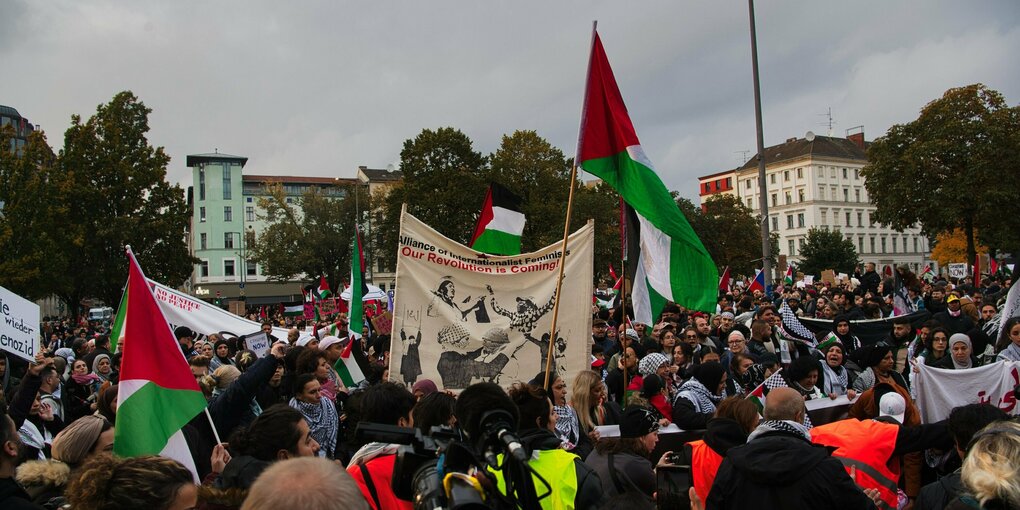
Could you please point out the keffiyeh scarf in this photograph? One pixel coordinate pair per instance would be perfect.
(322, 420)
(567, 426)
(704, 401)
(835, 379)
(790, 427)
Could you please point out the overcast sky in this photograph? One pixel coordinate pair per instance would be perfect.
(319, 88)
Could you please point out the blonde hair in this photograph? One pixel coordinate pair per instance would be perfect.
(991, 469)
(580, 397)
(225, 375)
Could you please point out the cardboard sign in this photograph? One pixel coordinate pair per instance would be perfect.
(19, 325)
(829, 277)
(257, 343)
(809, 279)
(383, 323)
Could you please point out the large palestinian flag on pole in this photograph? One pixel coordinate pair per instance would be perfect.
(158, 395)
(348, 367)
(500, 223)
(671, 262)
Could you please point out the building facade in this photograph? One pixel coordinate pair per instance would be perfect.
(22, 127)
(226, 218)
(721, 183)
(816, 181)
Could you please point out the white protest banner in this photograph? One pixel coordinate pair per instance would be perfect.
(449, 297)
(939, 390)
(257, 343)
(809, 279)
(958, 270)
(203, 318)
(19, 330)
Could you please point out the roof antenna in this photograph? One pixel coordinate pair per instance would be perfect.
(830, 122)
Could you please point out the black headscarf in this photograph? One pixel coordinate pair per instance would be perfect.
(710, 374)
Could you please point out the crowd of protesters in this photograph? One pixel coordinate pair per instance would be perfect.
(290, 424)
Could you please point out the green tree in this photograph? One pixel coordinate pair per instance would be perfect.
(117, 195)
(827, 249)
(600, 203)
(312, 237)
(730, 231)
(31, 261)
(444, 183)
(955, 166)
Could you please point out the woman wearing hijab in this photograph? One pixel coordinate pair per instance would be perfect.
(46, 480)
(880, 363)
(102, 367)
(697, 398)
(319, 412)
(221, 355)
(961, 354)
(835, 379)
(841, 328)
(803, 376)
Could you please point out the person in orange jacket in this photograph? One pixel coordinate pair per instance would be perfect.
(870, 449)
(734, 419)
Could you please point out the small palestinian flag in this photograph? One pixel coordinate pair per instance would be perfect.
(323, 291)
(788, 280)
(500, 223)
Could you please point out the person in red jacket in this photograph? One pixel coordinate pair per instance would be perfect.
(372, 465)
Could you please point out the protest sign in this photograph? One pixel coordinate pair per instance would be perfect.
(939, 390)
(829, 277)
(450, 296)
(309, 311)
(19, 329)
(257, 343)
(327, 307)
(203, 318)
(958, 270)
(383, 323)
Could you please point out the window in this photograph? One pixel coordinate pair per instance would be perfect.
(800, 173)
(203, 269)
(772, 179)
(775, 223)
(705, 188)
(833, 172)
(249, 200)
(915, 245)
(787, 197)
(825, 217)
(202, 241)
(800, 195)
(226, 181)
(844, 173)
(833, 194)
(201, 214)
(860, 220)
(228, 240)
(786, 175)
(201, 183)
(821, 193)
(290, 200)
(773, 200)
(800, 219)
(857, 174)
(860, 244)
(249, 213)
(857, 195)
(271, 215)
(883, 244)
(749, 206)
(821, 171)
(227, 213)
(894, 245)
(251, 269)
(729, 182)
(904, 244)
(800, 243)
(789, 221)
(791, 248)
(748, 183)
(872, 244)
(846, 194)
(228, 268)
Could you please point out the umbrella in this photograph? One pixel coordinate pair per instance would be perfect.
(374, 293)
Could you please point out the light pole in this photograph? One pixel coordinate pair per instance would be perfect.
(766, 245)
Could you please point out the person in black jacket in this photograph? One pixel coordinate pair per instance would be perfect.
(953, 318)
(780, 469)
(12, 495)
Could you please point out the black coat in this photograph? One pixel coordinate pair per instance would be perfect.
(782, 471)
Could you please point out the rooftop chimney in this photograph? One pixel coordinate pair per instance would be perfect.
(856, 135)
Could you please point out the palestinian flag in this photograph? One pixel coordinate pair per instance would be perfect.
(350, 365)
(758, 394)
(500, 223)
(671, 263)
(158, 395)
(788, 279)
(927, 274)
(323, 291)
(293, 309)
(117, 332)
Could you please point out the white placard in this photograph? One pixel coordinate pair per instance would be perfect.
(809, 279)
(257, 343)
(958, 270)
(19, 328)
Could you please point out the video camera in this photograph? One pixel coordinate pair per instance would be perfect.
(442, 470)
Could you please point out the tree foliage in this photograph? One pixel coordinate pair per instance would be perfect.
(952, 247)
(827, 249)
(955, 166)
(116, 194)
(31, 215)
(730, 231)
(312, 237)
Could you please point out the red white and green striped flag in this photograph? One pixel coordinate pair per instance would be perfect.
(323, 291)
(117, 333)
(348, 366)
(788, 279)
(500, 224)
(671, 262)
(158, 395)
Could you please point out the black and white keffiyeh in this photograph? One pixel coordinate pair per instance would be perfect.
(567, 426)
(695, 392)
(790, 427)
(835, 379)
(322, 420)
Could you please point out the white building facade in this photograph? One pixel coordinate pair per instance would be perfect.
(817, 182)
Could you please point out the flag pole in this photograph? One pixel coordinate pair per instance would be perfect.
(566, 230)
(623, 296)
(212, 425)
